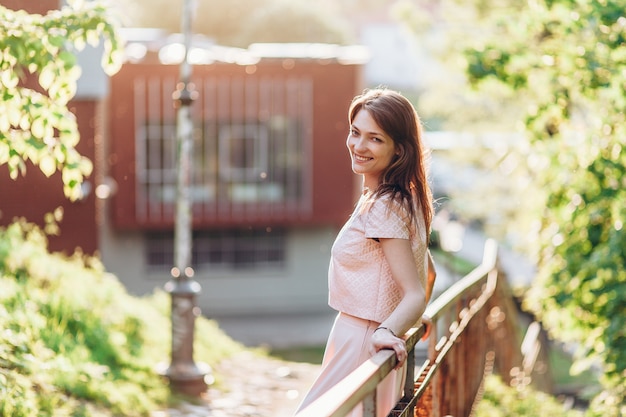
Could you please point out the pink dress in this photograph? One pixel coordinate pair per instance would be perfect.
(363, 291)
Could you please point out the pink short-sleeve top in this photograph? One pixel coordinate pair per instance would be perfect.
(359, 278)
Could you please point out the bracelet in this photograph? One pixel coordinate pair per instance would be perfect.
(385, 328)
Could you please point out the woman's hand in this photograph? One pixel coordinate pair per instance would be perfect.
(383, 338)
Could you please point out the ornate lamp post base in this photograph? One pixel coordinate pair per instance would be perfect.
(190, 381)
(185, 376)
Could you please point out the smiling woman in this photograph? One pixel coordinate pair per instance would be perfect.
(381, 273)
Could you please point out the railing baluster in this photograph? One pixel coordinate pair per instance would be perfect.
(369, 405)
(409, 382)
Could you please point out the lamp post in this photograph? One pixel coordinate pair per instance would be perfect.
(184, 374)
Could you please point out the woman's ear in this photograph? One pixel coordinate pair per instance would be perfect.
(399, 150)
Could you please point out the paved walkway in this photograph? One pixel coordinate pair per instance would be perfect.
(251, 386)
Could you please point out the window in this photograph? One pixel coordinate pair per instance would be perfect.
(251, 151)
(243, 152)
(225, 250)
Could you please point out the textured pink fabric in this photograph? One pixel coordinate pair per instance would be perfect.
(359, 277)
(346, 350)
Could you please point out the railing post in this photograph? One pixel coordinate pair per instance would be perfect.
(460, 365)
(409, 382)
(433, 388)
(369, 405)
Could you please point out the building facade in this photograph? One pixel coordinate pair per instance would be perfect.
(271, 182)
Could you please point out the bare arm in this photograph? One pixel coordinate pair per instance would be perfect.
(411, 308)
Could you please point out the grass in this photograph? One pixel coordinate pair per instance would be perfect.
(585, 384)
(501, 400)
(73, 342)
(561, 362)
(306, 354)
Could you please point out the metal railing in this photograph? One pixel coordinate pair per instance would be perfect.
(449, 382)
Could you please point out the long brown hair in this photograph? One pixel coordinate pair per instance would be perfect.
(408, 172)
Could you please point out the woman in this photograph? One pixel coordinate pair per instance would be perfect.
(381, 273)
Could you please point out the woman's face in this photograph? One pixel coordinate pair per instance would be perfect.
(371, 149)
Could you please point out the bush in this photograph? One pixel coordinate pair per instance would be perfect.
(501, 400)
(73, 342)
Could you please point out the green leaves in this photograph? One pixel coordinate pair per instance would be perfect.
(568, 58)
(35, 122)
(73, 342)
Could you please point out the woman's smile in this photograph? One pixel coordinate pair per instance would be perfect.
(360, 158)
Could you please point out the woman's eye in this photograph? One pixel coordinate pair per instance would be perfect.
(354, 132)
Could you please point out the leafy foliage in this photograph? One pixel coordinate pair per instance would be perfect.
(496, 188)
(499, 399)
(568, 58)
(38, 74)
(74, 342)
(559, 64)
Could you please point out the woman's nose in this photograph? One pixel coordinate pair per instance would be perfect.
(358, 143)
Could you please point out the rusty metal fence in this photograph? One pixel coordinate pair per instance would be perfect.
(473, 335)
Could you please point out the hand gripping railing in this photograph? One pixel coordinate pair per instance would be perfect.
(361, 384)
